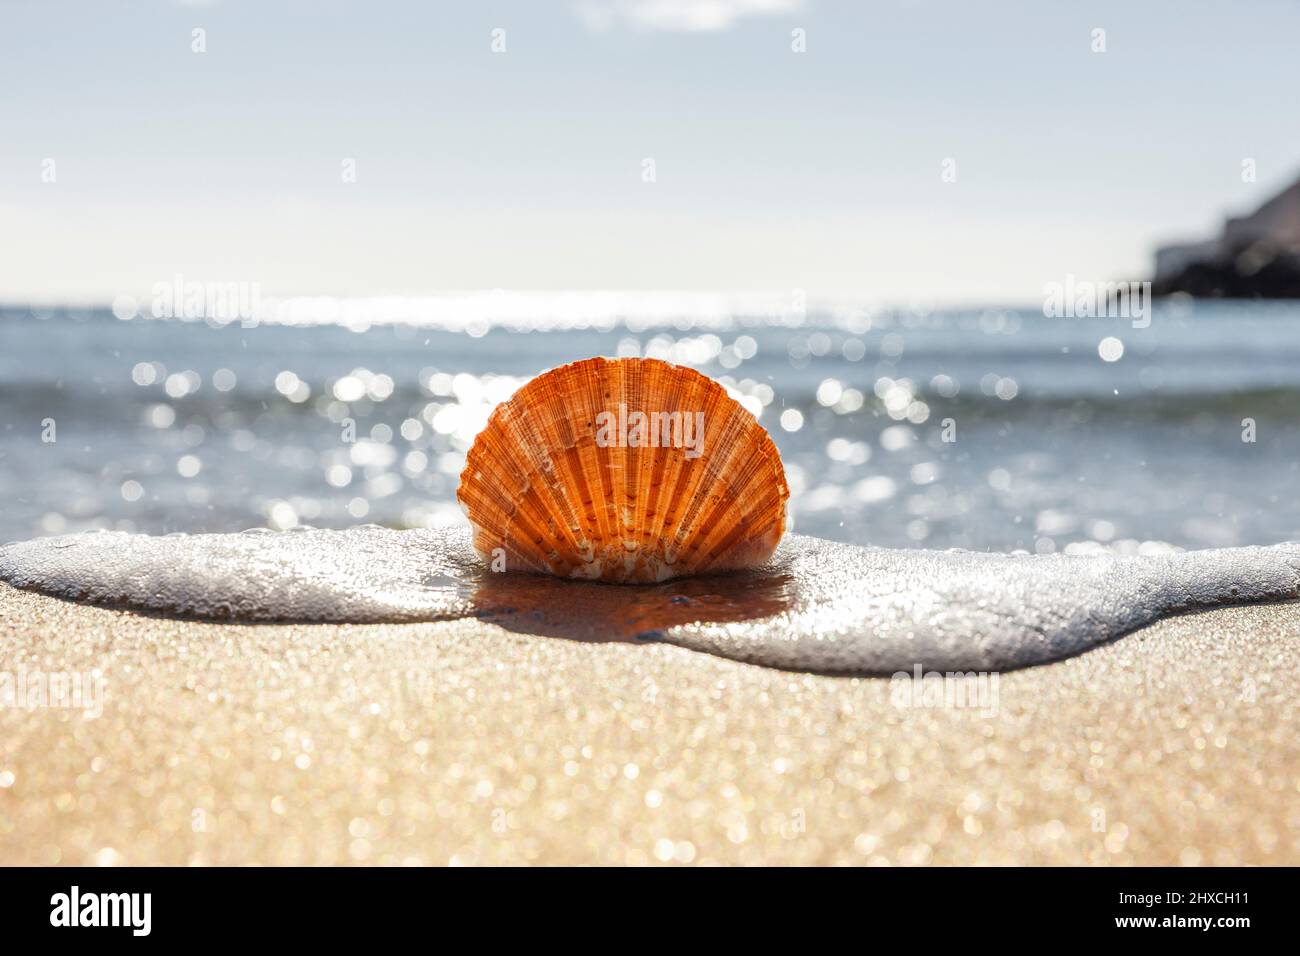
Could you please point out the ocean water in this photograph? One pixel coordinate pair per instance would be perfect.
(815, 606)
(166, 425)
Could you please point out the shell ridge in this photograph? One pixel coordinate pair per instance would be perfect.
(723, 448)
(528, 472)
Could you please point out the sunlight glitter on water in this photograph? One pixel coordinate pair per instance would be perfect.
(975, 429)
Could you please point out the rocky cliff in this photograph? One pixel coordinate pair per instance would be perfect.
(1254, 257)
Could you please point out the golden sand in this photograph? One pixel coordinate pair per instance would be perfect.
(465, 743)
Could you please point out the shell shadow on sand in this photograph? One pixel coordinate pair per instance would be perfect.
(816, 606)
(595, 611)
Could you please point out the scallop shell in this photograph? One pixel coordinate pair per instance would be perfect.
(553, 485)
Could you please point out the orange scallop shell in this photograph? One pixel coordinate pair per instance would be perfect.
(553, 485)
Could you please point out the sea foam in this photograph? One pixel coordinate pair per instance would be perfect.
(816, 606)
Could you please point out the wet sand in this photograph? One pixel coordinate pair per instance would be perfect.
(464, 742)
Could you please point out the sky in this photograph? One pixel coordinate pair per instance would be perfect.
(525, 167)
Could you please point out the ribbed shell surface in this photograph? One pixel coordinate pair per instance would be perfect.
(563, 480)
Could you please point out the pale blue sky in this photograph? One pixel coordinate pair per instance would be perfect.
(522, 170)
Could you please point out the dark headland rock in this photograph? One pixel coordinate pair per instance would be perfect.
(1255, 257)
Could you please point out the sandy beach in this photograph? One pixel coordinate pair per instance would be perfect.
(461, 742)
